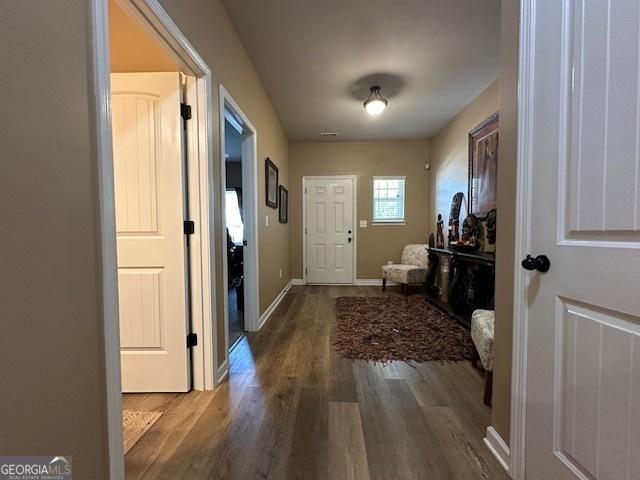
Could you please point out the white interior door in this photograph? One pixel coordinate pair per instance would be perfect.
(329, 230)
(583, 391)
(150, 192)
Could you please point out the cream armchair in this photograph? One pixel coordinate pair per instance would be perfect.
(411, 269)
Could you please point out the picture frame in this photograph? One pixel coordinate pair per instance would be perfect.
(283, 201)
(483, 166)
(271, 183)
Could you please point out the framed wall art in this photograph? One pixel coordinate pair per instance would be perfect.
(283, 201)
(271, 183)
(483, 166)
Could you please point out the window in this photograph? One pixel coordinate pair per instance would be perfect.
(388, 199)
(234, 218)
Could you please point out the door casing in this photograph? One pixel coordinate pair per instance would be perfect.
(354, 181)
(151, 16)
(250, 207)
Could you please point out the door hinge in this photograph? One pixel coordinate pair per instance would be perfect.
(185, 111)
(192, 340)
(189, 227)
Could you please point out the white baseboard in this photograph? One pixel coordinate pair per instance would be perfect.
(222, 373)
(267, 313)
(498, 447)
(375, 282)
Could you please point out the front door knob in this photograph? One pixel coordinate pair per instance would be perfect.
(540, 263)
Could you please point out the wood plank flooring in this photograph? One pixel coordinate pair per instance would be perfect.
(293, 409)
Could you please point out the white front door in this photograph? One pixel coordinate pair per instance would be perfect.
(583, 389)
(330, 230)
(149, 191)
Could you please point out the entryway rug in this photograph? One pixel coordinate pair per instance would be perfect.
(408, 329)
(135, 424)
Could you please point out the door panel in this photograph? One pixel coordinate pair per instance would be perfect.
(329, 218)
(149, 190)
(583, 391)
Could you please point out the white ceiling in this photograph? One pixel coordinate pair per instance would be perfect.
(318, 58)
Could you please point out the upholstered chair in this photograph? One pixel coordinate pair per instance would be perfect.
(482, 334)
(412, 268)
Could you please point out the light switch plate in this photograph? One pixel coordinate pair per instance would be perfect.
(266, 220)
(363, 224)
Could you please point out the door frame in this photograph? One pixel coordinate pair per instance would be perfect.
(157, 22)
(354, 181)
(230, 108)
(524, 194)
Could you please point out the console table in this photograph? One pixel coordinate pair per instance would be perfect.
(471, 282)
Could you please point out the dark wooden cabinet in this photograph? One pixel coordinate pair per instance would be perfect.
(470, 284)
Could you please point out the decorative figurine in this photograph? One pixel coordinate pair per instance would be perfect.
(432, 242)
(440, 234)
(471, 230)
(454, 217)
(454, 233)
(491, 226)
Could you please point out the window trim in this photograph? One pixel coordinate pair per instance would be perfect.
(398, 221)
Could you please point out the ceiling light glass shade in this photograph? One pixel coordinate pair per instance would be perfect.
(376, 103)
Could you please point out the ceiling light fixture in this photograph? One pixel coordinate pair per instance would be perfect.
(376, 103)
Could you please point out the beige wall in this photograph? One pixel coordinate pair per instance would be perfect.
(505, 243)
(207, 26)
(132, 49)
(52, 398)
(376, 244)
(450, 153)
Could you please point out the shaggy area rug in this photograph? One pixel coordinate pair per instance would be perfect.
(384, 329)
(135, 424)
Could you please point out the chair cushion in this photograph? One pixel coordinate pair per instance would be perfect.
(482, 333)
(404, 273)
(415, 254)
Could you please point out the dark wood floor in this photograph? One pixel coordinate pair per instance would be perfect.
(293, 409)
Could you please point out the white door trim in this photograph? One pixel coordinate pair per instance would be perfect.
(522, 239)
(200, 181)
(354, 181)
(250, 207)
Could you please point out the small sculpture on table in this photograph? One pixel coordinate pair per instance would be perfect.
(491, 226)
(471, 235)
(440, 234)
(471, 229)
(454, 217)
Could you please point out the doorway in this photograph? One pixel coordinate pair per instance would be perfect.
(191, 158)
(234, 223)
(239, 217)
(329, 213)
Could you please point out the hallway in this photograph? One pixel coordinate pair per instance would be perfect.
(293, 409)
